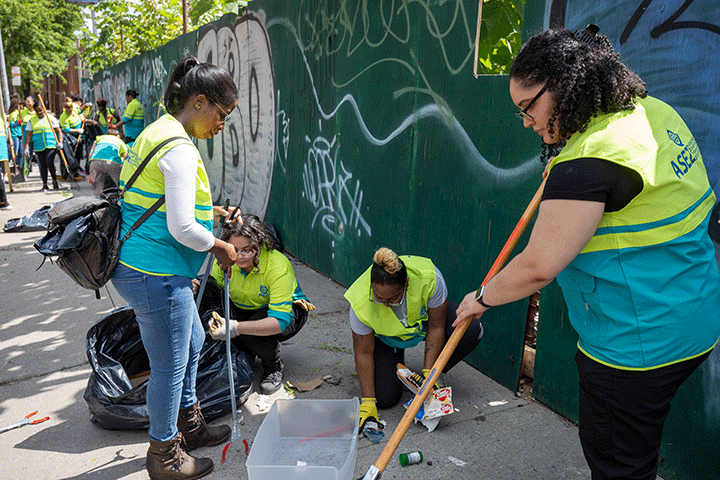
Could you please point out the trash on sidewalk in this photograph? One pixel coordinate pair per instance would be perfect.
(25, 421)
(457, 461)
(436, 405)
(306, 386)
(117, 387)
(32, 222)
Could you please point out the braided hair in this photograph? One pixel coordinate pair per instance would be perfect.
(587, 79)
(191, 77)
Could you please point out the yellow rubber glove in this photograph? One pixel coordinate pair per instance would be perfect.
(426, 374)
(368, 409)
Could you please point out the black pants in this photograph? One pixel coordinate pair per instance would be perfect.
(388, 388)
(267, 348)
(3, 195)
(622, 414)
(46, 159)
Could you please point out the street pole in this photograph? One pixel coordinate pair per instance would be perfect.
(185, 22)
(3, 73)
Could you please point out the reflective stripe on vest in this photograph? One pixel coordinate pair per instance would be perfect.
(151, 248)
(644, 291)
(421, 286)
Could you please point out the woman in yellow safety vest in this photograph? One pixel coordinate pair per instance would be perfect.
(162, 256)
(40, 135)
(395, 304)
(623, 225)
(15, 125)
(25, 114)
(133, 119)
(267, 304)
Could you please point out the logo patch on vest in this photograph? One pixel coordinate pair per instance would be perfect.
(687, 156)
(133, 159)
(264, 292)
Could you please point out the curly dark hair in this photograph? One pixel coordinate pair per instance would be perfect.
(586, 79)
(254, 230)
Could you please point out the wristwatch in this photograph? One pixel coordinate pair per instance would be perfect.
(479, 297)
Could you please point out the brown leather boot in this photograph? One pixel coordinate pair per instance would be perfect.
(167, 461)
(197, 433)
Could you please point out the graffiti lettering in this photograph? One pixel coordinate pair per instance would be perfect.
(667, 25)
(327, 186)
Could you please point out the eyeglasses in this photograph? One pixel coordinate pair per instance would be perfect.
(246, 252)
(388, 304)
(523, 114)
(225, 115)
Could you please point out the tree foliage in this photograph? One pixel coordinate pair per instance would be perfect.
(38, 36)
(127, 28)
(500, 34)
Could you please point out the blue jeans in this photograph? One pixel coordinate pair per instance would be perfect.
(18, 149)
(172, 334)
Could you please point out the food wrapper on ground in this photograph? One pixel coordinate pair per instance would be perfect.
(436, 405)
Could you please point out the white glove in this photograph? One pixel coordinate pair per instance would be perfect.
(27, 152)
(217, 327)
(60, 145)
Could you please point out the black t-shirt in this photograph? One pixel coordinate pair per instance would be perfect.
(594, 180)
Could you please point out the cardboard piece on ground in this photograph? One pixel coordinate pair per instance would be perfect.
(307, 386)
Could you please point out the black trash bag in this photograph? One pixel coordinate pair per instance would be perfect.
(117, 388)
(73, 165)
(32, 222)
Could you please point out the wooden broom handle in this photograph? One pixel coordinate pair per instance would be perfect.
(454, 339)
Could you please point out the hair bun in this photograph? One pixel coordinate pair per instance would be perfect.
(388, 260)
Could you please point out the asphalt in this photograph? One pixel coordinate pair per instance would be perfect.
(44, 318)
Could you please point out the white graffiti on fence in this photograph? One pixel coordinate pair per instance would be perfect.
(327, 185)
(239, 160)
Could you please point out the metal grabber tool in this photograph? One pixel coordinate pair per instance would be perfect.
(376, 469)
(25, 421)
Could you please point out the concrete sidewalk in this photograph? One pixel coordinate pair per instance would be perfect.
(45, 317)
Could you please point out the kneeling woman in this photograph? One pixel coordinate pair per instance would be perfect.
(395, 304)
(267, 304)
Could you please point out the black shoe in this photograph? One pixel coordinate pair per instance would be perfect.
(272, 379)
(44, 188)
(55, 185)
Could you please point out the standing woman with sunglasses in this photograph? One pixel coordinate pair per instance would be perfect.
(159, 260)
(267, 304)
(397, 303)
(623, 226)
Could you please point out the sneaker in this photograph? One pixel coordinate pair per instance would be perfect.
(7, 206)
(272, 380)
(44, 188)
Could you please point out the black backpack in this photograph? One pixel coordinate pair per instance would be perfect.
(84, 233)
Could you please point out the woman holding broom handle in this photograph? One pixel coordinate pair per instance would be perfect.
(623, 226)
(160, 258)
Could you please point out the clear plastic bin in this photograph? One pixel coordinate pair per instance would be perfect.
(306, 439)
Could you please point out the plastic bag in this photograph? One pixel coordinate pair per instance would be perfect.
(36, 221)
(117, 387)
